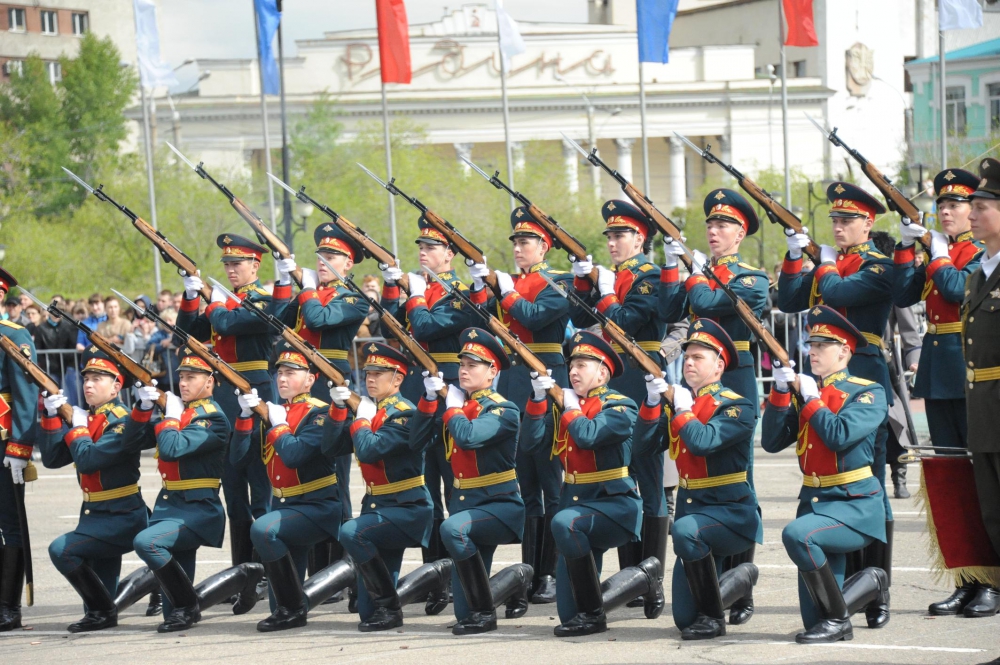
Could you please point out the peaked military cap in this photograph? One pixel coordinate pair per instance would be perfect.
(7, 281)
(329, 238)
(238, 248)
(851, 201)
(828, 325)
(523, 225)
(585, 344)
(290, 357)
(95, 360)
(192, 363)
(708, 333)
(383, 357)
(989, 183)
(428, 233)
(730, 206)
(624, 216)
(482, 346)
(954, 185)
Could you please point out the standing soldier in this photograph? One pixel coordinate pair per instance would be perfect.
(841, 509)
(857, 282)
(487, 510)
(981, 314)
(107, 467)
(18, 416)
(533, 311)
(710, 435)
(245, 342)
(629, 297)
(436, 320)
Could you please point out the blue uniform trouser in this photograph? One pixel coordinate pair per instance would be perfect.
(343, 467)
(948, 422)
(10, 527)
(466, 533)
(647, 470)
(811, 541)
(438, 474)
(695, 537)
(371, 534)
(165, 540)
(881, 459)
(71, 550)
(282, 531)
(577, 531)
(247, 489)
(539, 473)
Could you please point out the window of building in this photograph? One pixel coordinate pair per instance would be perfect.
(993, 93)
(50, 23)
(955, 110)
(799, 69)
(81, 24)
(15, 20)
(54, 70)
(12, 67)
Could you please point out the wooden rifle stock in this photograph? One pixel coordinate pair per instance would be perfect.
(533, 362)
(464, 247)
(663, 223)
(371, 247)
(325, 367)
(130, 366)
(170, 253)
(265, 234)
(36, 374)
(778, 213)
(895, 198)
(231, 376)
(562, 238)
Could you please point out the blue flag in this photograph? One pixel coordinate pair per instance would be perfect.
(268, 18)
(655, 19)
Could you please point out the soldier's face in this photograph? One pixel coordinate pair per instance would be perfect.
(984, 219)
(473, 376)
(723, 237)
(825, 358)
(340, 262)
(435, 257)
(195, 385)
(850, 231)
(382, 383)
(529, 251)
(585, 374)
(702, 366)
(100, 388)
(293, 381)
(242, 272)
(623, 245)
(954, 216)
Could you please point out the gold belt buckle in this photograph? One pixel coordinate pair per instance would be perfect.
(970, 375)
(278, 492)
(683, 483)
(86, 495)
(456, 483)
(163, 484)
(931, 329)
(368, 488)
(570, 478)
(816, 481)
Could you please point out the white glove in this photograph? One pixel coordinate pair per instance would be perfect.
(432, 384)
(655, 387)
(53, 402)
(698, 262)
(276, 414)
(17, 467)
(248, 402)
(192, 286)
(939, 245)
(478, 271)
(571, 401)
(418, 285)
(147, 396)
(807, 387)
(683, 399)
(285, 268)
(671, 252)
(827, 254)
(796, 243)
(605, 281)
(218, 295)
(310, 280)
(583, 267)
(391, 274)
(782, 377)
(541, 384)
(339, 395)
(175, 407)
(366, 409)
(79, 417)
(455, 398)
(910, 232)
(505, 282)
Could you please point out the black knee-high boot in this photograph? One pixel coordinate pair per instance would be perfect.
(511, 587)
(11, 583)
(703, 579)
(586, 585)
(101, 611)
(378, 582)
(742, 608)
(132, 588)
(835, 621)
(868, 590)
(290, 600)
(736, 585)
(180, 592)
(644, 580)
(545, 573)
(328, 582)
(239, 582)
(482, 618)
(429, 579)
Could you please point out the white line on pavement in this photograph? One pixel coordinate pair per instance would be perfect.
(846, 645)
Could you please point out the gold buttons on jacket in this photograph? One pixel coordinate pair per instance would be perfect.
(815, 499)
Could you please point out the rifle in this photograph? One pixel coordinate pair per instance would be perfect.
(168, 250)
(131, 367)
(264, 235)
(619, 336)
(220, 366)
(325, 367)
(561, 238)
(36, 374)
(371, 247)
(497, 327)
(406, 340)
(895, 199)
(665, 225)
(777, 213)
(454, 236)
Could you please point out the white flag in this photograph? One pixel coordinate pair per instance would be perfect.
(153, 72)
(511, 43)
(960, 14)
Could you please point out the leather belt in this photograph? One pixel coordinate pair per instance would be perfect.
(714, 481)
(645, 346)
(193, 484)
(392, 488)
(249, 365)
(980, 375)
(873, 339)
(108, 495)
(305, 488)
(837, 479)
(445, 357)
(596, 476)
(333, 354)
(485, 481)
(543, 347)
(944, 328)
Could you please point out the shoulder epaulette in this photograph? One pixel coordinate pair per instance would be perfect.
(859, 381)
(119, 411)
(318, 403)
(209, 408)
(402, 406)
(11, 324)
(614, 396)
(747, 266)
(877, 255)
(553, 271)
(459, 285)
(729, 394)
(497, 397)
(646, 267)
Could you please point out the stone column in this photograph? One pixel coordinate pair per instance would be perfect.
(463, 150)
(625, 157)
(678, 174)
(572, 168)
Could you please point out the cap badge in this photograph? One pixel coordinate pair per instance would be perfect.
(949, 176)
(719, 195)
(519, 213)
(578, 338)
(328, 228)
(817, 311)
(985, 165)
(698, 325)
(473, 334)
(839, 189)
(611, 205)
(227, 240)
(373, 348)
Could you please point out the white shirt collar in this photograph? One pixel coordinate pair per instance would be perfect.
(990, 264)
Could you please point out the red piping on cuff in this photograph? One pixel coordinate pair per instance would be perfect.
(213, 306)
(581, 284)
(338, 413)
(606, 302)
(306, 295)
(670, 275)
(167, 423)
(678, 423)
(791, 266)
(451, 413)
(811, 408)
(647, 412)
(569, 417)
(244, 424)
(936, 265)
(75, 434)
(904, 255)
(390, 292)
(695, 280)
(536, 408)
(358, 424)
(509, 300)
(51, 423)
(18, 450)
(781, 400)
(282, 292)
(414, 302)
(190, 304)
(278, 432)
(141, 416)
(427, 406)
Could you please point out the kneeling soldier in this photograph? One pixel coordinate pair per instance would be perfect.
(840, 504)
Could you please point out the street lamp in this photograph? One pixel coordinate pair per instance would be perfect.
(303, 209)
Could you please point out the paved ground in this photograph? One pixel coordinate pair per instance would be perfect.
(911, 637)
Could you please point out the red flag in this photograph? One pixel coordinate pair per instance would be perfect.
(393, 41)
(799, 17)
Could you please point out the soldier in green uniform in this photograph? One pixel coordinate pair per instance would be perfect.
(981, 314)
(107, 467)
(710, 436)
(841, 508)
(18, 428)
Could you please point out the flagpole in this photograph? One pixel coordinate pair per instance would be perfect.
(944, 102)
(642, 121)
(388, 170)
(506, 116)
(286, 201)
(267, 136)
(784, 105)
(149, 182)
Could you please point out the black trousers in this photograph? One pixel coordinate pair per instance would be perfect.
(986, 467)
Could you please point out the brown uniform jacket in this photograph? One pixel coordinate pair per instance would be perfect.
(981, 343)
